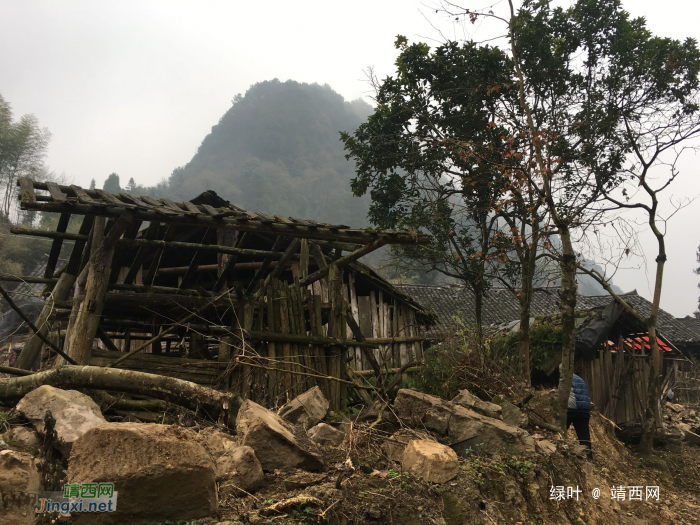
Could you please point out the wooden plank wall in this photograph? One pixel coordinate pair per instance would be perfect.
(271, 373)
(617, 384)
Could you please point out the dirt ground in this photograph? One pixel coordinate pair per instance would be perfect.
(363, 487)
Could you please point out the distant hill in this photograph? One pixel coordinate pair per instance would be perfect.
(277, 150)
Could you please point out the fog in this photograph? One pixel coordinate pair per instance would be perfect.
(133, 87)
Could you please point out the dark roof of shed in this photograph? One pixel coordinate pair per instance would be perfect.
(692, 325)
(501, 306)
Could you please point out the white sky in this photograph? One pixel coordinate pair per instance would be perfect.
(133, 87)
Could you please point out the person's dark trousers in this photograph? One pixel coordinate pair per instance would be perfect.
(580, 422)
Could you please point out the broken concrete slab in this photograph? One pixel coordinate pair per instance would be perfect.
(18, 479)
(307, 409)
(277, 444)
(238, 472)
(467, 400)
(431, 461)
(457, 424)
(161, 472)
(74, 412)
(324, 434)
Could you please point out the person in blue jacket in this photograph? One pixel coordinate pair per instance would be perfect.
(579, 412)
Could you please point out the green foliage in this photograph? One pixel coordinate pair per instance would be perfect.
(112, 184)
(7, 419)
(437, 377)
(23, 146)
(545, 345)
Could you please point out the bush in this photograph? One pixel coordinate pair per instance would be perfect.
(545, 346)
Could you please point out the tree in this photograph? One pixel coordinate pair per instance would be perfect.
(131, 185)
(92, 184)
(112, 184)
(697, 271)
(432, 155)
(23, 146)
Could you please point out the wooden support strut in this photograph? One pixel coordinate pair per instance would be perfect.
(21, 230)
(33, 327)
(344, 261)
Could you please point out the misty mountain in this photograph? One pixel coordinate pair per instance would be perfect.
(277, 150)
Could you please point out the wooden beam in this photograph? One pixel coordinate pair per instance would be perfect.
(194, 263)
(151, 233)
(31, 325)
(55, 191)
(344, 261)
(347, 235)
(106, 340)
(265, 265)
(227, 270)
(26, 191)
(21, 230)
(60, 292)
(88, 318)
(56, 245)
(119, 257)
(155, 262)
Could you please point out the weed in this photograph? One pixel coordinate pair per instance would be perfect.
(6, 420)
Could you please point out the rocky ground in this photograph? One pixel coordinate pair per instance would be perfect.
(420, 460)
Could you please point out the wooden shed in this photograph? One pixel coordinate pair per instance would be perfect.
(257, 304)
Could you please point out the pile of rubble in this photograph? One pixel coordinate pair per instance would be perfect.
(194, 470)
(684, 421)
(163, 472)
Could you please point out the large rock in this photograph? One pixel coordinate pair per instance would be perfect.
(74, 412)
(324, 434)
(692, 437)
(18, 477)
(161, 472)
(431, 461)
(23, 438)
(277, 444)
(217, 442)
(459, 425)
(467, 400)
(239, 470)
(511, 414)
(395, 446)
(307, 409)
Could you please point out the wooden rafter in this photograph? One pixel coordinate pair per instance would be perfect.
(90, 202)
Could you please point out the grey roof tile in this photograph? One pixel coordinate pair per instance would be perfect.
(501, 306)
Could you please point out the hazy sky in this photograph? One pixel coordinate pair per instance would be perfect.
(134, 86)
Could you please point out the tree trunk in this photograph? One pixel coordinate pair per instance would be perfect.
(216, 405)
(651, 414)
(568, 321)
(524, 337)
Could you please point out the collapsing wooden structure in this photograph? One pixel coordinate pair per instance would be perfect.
(613, 355)
(260, 305)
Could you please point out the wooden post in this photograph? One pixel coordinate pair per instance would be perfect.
(96, 288)
(272, 326)
(60, 292)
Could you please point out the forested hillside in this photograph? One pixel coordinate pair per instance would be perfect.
(277, 150)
